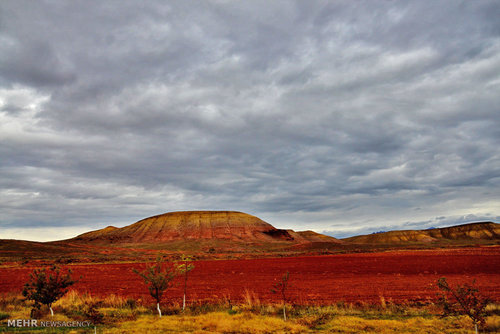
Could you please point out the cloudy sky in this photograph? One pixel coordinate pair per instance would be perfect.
(341, 116)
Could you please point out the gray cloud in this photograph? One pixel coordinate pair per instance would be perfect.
(320, 116)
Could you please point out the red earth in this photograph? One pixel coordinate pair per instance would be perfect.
(398, 276)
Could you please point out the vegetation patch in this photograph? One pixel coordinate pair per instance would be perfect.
(115, 314)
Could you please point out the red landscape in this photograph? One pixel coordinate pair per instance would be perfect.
(332, 284)
(398, 276)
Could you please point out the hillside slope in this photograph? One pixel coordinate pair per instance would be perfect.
(201, 226)
(471, 232)
(229, 234)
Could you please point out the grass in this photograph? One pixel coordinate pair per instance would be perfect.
(212, 322)
(115, 314)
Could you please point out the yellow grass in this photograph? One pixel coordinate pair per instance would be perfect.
(214, 322)
(350, 324)
(251, 300)
(120, 315)
(74, 298)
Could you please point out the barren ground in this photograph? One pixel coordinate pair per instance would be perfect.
(398, 276)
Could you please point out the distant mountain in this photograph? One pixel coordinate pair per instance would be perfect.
(228, 234)
(466, 232)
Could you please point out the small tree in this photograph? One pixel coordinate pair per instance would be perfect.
(464, 299)
(281, 288)
(159, 278)
(183, 269)
(47, 286)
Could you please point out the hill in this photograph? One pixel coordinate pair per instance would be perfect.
(482, 231)
(96, 234)
(229, 234)
(202, 230)
(190, 225)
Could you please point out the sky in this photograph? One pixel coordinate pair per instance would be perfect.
(342, 117)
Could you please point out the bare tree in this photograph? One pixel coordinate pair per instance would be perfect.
(464, 299)
(47, 286)
(158, 277)
(184, 268)
(281, 288)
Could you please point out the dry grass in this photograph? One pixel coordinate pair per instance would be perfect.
(351, 324)
(251, 300)
(214, 322)
(115, 314)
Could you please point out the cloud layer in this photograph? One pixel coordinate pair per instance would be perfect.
(346, 117)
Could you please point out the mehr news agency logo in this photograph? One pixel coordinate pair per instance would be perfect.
(48, 323)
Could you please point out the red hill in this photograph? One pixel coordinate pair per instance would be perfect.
(222, 227)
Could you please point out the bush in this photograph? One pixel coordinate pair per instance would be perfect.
(90, 311)
(131, 303)
(465, 300)
(281, 287)
(47, 286)
(158, 277)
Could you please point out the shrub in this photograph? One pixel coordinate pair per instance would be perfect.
(184, 268)
(47, 286)
(464, 299)
(159, 278)
(91, 312)
(281, 288)
(131, 303)
(4, 316)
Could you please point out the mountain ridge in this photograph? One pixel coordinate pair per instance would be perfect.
(231, 234)
(468, 231)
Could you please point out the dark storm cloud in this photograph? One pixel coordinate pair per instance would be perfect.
(341, 116)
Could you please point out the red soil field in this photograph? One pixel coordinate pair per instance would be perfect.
(398, 276)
